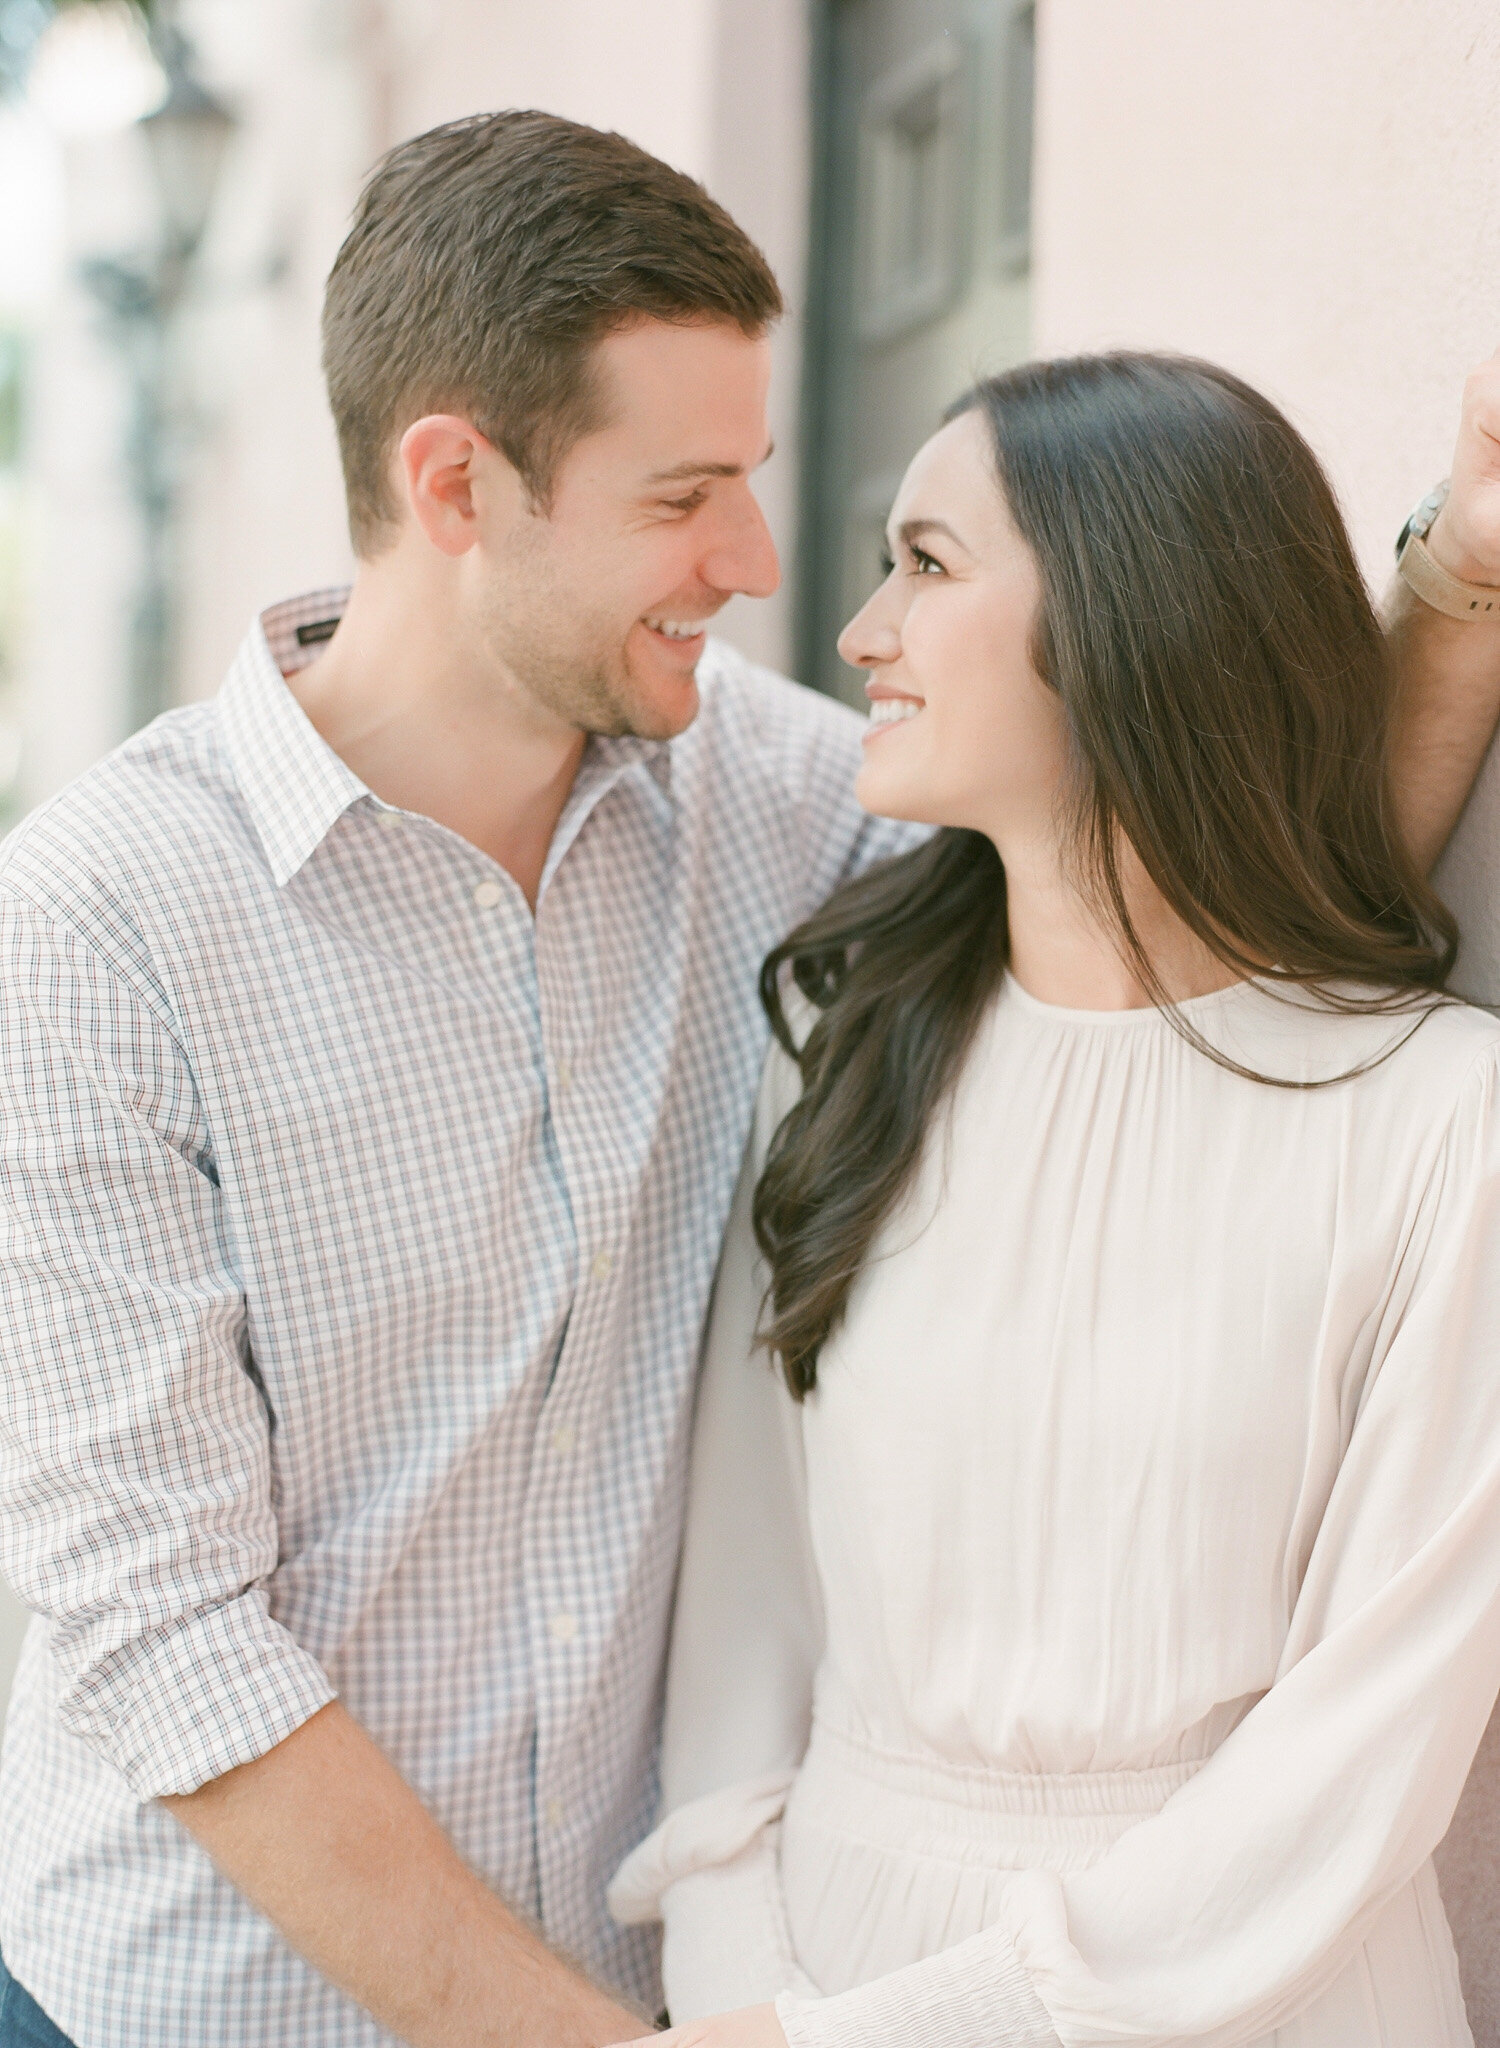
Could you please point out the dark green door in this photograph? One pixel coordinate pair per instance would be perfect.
(921, 244)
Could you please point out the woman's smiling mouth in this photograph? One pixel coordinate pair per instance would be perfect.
(888, 711)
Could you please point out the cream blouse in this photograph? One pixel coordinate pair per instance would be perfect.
(1097, 1656)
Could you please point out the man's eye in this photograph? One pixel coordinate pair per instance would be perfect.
(687, 504)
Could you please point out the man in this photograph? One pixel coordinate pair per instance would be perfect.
(378, 1044)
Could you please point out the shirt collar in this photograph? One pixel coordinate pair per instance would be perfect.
(295, 786)
(655, 756)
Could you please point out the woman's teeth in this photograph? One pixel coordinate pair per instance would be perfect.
(891, 710)
(677, 629)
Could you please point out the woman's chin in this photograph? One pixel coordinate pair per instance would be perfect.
(888, 795)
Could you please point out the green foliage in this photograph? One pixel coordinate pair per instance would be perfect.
(11, 368)
(12, 505)
(11, 599)
(10, 596)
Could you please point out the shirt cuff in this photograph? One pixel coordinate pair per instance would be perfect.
(727, 1944)
(976, 1995)
(175, 1709)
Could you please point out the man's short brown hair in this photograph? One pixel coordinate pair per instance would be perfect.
(486, 261)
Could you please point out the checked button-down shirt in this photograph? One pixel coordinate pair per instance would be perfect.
(356, 1232)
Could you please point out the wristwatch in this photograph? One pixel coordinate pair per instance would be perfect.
(1428, 578)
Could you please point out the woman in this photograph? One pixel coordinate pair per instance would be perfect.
(1088, 1642)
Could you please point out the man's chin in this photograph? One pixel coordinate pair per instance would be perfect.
(657, 707)
(659, 725)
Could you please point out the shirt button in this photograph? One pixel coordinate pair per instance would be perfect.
(604, 1265)
(388, 821)
(554, 1813)
(488, 894)
(564, 1076)
(564, 1627)
(563, 1439)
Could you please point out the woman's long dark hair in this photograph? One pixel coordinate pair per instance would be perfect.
(1228, 698)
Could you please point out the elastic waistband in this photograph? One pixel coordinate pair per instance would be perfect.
(902, 1800)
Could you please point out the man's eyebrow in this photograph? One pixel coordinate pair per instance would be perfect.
(689, 472)
(911, 531)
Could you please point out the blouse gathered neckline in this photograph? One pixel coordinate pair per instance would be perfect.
(1133, 1015)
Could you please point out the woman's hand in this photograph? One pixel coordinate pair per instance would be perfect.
(1466, 534)
(755, 2027)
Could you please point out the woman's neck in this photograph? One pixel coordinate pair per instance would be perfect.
(1064, 950)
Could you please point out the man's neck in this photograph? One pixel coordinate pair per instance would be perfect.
(428, 728)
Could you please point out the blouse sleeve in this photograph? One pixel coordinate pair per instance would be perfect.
(746, 1637)
(1230, 1910)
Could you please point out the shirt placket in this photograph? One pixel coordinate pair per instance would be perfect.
(600, 1156)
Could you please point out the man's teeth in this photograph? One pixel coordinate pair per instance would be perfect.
(891, 710)
(677, 629)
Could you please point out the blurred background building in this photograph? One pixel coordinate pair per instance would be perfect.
(1308, 193)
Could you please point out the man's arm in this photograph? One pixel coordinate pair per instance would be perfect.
(136, 1514)
(1448, 670)
(325, 1837)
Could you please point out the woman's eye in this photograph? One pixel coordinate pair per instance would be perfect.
(922, 564)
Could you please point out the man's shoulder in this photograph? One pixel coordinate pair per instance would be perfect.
(796, 733)
(778, 761)
(142, 815)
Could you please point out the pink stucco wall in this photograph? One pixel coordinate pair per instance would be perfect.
(1309, 194)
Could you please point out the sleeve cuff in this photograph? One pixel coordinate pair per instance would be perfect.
(976, 1995)
(727, 1944)
(704, 1833)
(186, 1705)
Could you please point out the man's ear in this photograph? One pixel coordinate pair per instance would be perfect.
(445, 462)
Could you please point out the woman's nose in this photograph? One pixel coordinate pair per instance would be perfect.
(869, 640)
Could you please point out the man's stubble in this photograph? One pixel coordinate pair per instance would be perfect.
(566, 656)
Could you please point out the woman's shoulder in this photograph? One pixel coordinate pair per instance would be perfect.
(1463, 1027)
(1439, 1082)
(800, 1012)
(1456, 1051)
(1445, 1040)
(1387, 1044)
(781, 1078)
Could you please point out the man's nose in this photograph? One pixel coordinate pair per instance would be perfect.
(744, 558)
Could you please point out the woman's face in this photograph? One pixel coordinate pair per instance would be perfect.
(963, 731)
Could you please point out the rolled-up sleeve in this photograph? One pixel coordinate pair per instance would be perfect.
(136, 1507)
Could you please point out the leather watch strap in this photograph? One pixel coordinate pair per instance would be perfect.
(1444, 592)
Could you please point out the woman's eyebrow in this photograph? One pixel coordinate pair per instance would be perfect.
(911, 531)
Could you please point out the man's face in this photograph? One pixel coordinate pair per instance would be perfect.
(596, 607)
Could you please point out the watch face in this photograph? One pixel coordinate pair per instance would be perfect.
(1422, 516)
